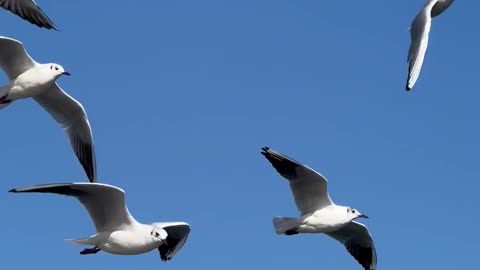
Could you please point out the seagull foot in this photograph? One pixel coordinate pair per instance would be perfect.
(291, 232)
(87, 251)
(4, 101)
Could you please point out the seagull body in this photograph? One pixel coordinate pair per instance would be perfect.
(38, 81)
(31, 83)
(419, 31)
(117, 231)
(325, 220)
(30, 11)
(134, 241)
(318, 212)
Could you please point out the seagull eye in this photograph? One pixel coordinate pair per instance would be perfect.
(353, 211)
(56, 68)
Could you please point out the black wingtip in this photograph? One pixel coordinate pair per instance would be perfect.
(47, 22)
(13, 190)
(407, 87)
(265, 150)
(54, 26)
(86, 156)
(92, 178)
(50, 26)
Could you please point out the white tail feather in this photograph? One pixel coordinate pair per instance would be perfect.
(283, 224)
(82, 241)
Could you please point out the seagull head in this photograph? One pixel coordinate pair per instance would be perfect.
(354, 213)
(158, 234)
(56, 70)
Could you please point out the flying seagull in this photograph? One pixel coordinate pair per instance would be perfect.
(318, 212)
(30, 11)
(117, 231)
(419, 31)
(31, 79)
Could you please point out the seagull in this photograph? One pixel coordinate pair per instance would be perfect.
(30, 11)
(419, 31)
(31, 79)
(318, 212)
(117, 231)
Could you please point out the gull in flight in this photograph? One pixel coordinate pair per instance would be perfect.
(31, 79)
(419, 31)
(30, 11)
(318, 213)
(117, 231)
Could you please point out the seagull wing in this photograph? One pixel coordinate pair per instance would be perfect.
(14, 60)
(419, 31)
(440, 7)
(358, 242)
(105, 204)
(177, 234)
(309, 188)
(30, 11)
(71, 116)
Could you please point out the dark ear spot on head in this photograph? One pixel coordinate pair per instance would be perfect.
(51, 66)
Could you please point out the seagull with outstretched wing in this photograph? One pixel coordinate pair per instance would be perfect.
(29, 79)
(117, 232)
(318, 212)
(419, 31)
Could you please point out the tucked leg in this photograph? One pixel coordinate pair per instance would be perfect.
(291, 232)
(4, 101)
(3, 98)
(87, 251)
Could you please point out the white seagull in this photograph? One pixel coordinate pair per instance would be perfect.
(318, 213)
(419, 31)
(30, 11)
(117, 231)
(31, 79)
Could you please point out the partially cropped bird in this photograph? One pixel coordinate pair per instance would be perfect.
(29, 79)
(419, 32)
(29, 11)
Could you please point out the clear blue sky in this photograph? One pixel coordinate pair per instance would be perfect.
(181, 95)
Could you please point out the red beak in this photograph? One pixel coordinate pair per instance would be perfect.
(66, 73)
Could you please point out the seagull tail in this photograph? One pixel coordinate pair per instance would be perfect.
(4, 102)
(284, 224)
(82, 241)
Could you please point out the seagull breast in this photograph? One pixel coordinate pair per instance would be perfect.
(32, 82)
(128, 242)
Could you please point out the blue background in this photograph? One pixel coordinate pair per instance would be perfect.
(181, 95)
